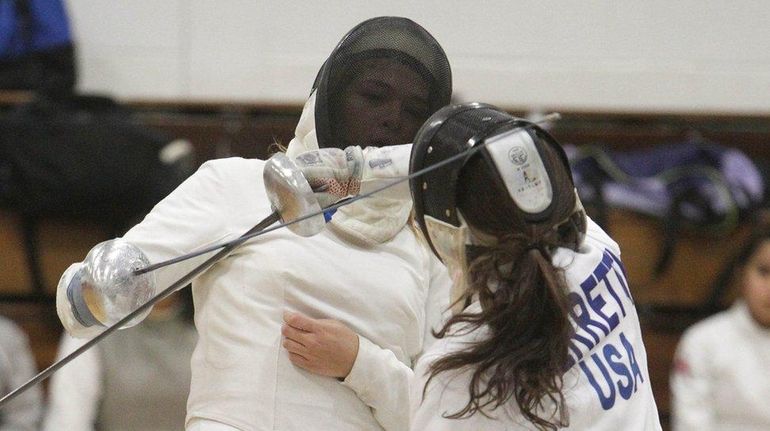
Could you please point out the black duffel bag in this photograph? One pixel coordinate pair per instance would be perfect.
(85, 157)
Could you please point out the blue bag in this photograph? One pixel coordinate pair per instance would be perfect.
(696, 184)
(36, 47)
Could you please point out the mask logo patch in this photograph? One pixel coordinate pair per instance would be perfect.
(517, 156)
(310, 158)
(380, 163)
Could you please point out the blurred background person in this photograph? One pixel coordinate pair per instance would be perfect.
(367, 268)
(17, 365)
(720, 379)
(134, 380)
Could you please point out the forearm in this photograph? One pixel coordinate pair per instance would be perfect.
(381, 381)
(186, 220)
(329, 348)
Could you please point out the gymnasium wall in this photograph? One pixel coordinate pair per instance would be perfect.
(605, 56)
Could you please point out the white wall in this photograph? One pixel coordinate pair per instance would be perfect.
(622, 55)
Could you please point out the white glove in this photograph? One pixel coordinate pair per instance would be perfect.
(337, 174)
(384, 166)
(333, 174)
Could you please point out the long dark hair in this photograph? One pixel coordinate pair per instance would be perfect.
(523, 298)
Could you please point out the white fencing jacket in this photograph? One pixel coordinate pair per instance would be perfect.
(607, 387)
(388, 293)
(721, 375)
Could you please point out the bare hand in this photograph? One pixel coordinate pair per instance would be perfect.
(322, 346)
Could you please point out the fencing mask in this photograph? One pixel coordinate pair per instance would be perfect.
(381, 82)
(521, 179)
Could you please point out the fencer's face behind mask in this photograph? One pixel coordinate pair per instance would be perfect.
(381, 82)
(384, 104)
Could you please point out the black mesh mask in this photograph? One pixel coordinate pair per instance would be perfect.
(381, 82)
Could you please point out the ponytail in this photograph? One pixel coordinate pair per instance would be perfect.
(524, 309)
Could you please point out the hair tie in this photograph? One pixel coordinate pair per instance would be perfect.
(536, 246)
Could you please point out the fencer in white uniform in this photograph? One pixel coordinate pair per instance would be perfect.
(546, 334)
(550, 336)
(368, 268)
(719, 379)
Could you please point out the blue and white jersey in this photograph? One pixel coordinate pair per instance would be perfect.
(607, 385)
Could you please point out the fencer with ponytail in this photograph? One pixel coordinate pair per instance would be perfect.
(543, 333)
(523, 298)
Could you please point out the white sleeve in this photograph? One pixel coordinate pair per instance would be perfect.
(382, 381)
(192, 217)
(384, 166)
(17, 366)
(189, 218)
(75, 390)
(448, 394)
(425, 408)
(691, 386)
